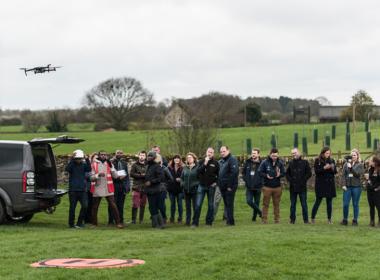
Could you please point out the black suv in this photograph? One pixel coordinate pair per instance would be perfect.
(28, 178)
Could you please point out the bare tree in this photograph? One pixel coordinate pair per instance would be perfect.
(193, 137)
(114, 100)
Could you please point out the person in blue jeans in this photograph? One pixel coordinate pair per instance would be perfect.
(253, 182)
(353, 170)
(189, 183)
(174, 188)
(208, 170)
(297, 174)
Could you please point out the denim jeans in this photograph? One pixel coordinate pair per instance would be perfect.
(229, 199)
(253, 200)
(190, 206)
(177, 197)
(293, 203)
(74, 197)
(355, 193)
(201, 193)
(317, 202)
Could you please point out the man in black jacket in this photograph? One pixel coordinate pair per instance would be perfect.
(153, 179)
(272, 169)
(208, 170)
(253, 182)
(297, 174)
(122, 185)
(228, 181)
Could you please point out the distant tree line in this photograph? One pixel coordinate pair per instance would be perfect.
(125, 104)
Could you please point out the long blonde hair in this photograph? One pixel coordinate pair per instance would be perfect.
(356, 151)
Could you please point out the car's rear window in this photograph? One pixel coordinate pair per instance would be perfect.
(11, 158)
(42, 157)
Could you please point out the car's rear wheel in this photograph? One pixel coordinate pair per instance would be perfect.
(21, 219)
(3, 214)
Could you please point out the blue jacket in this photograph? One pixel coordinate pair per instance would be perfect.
(268, 168)
(251, 176)
(77, 175)
(228, 173)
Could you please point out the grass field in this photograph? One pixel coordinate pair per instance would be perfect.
(133, 141)
(246, 251)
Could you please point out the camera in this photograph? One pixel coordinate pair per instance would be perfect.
(348, 158)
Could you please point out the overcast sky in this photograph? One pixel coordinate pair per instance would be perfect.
(187, 48)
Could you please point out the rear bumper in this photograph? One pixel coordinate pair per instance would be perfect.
(36, 202)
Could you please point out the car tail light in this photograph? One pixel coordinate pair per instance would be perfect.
(28, 181)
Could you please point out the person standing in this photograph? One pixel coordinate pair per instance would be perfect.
(189, 183)
(228, 182)
(208, 171)
(272, 170)
(102, 186)
(353, 170)
(153, 178)
(139, 198)
(325, 170)
(174, 188)
(157, 149)
(77, 168)
(373, 190)
(253, 182)
(297, 174)
(165, 181)
(121, 184)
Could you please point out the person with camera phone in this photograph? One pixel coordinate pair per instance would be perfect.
(325, 170)
(353, 170)
(373, 190)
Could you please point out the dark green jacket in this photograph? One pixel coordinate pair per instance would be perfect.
(189, 179)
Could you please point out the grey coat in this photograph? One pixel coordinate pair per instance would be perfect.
(352, 176)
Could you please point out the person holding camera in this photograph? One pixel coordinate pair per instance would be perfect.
(373, 190)
(325, 170)
(353, 170)
(272, 169)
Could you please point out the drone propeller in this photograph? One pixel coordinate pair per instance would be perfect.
(24, 70)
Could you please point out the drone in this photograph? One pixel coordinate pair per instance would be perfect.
(40, 69)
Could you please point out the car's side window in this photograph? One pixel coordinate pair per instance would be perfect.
(11, 158)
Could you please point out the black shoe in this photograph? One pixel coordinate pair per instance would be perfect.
(355, 223)
(292, 222)
(344, 222)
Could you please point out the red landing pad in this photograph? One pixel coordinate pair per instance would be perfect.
(87, 263)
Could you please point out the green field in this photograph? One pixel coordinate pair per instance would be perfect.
(246, 251)
(133, 141)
